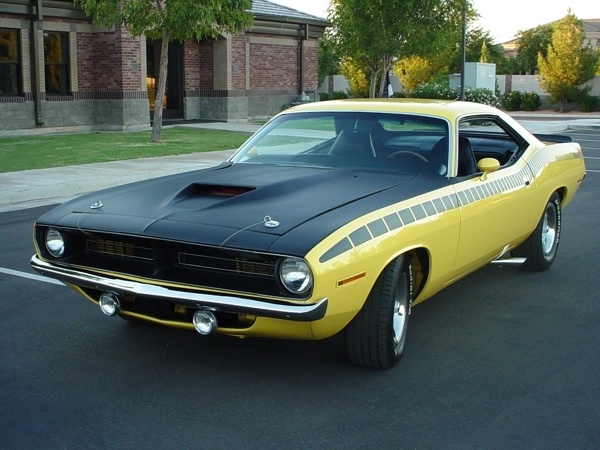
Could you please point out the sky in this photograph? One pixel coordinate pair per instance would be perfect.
(502, 18)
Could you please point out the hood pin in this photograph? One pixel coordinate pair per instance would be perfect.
(270, 223)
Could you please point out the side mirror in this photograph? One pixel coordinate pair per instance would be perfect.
(488, 165)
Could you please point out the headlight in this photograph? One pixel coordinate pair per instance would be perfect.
(295, 275)
(55, 243)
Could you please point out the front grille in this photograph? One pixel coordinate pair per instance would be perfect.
(235, 265)
(213, 268)
(119, 248)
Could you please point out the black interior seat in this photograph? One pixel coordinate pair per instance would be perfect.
(353, 143)
(467, 165)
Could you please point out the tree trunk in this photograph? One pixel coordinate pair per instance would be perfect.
(373, 85)
(161, 84)
(386, 66)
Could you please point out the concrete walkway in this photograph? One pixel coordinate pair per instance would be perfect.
(31, 188)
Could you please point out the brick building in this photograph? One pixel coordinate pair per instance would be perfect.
(58, 72)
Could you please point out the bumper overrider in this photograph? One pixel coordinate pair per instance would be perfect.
(191, 299)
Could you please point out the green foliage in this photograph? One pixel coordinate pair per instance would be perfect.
(530, 101)
(357, 80)
(329, 61)
(445, 92)
(475, 40)
(373, 33)
(521, 101)
(590, 103)
(532, 43)
(439, 91)
(512, 101)
(415, 70)
(567, 65)
(485, 56)
(184, 19)
(334, 95)
(482, 95)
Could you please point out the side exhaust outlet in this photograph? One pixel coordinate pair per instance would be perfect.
(204, 322)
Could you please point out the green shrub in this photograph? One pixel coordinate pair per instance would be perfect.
(338, 95)
(482, 95)
(435, 91)
(445, 92)
(590, 103)
(334, 95)
(530, 101)
(512, 101)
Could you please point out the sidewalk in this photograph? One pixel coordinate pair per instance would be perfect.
(31, 188)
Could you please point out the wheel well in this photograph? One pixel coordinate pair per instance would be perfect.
(420, 263)
(562, 192)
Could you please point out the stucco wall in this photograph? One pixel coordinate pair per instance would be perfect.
(522, 83)
(529, 83)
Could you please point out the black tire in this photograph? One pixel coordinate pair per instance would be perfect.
(377, 335)
(541, 246)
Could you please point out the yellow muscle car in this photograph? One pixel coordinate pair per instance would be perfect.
(334, 217)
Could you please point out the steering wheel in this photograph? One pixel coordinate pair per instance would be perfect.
(409, 153)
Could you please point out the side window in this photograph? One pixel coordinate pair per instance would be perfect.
(485, 137)
(56, 61)
(10, 67)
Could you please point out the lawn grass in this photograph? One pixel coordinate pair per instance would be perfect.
(43, 151)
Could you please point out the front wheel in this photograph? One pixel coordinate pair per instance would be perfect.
(377, 335)
(541, 246)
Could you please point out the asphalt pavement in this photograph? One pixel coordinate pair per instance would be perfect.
(31, 188)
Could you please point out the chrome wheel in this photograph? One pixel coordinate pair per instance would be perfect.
(401, 313)
(377, 335)
(541, 246)
(549, 229)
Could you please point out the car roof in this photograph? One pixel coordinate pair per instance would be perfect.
(442, 108)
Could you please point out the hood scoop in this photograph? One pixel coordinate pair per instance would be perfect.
(199, 191)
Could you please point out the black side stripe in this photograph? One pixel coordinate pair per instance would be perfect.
(429, 208)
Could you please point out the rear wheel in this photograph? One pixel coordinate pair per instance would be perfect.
(540, 248)
(377, 335)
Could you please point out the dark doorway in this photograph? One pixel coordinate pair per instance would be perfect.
(173, 103)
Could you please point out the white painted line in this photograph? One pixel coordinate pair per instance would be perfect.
(591, 157)
(29, 276)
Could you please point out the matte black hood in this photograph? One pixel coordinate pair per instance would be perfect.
(213, 206)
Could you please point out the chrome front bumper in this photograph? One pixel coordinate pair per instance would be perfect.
(223, 303)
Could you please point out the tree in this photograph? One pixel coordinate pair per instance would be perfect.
(567, 64)
(329, 61)
(476, 38)
(532, 42)
(485, 56)
(170, 20)
(416, 70)
(357, 81)
(375, 32)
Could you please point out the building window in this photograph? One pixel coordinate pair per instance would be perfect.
(56, 60)
(10, 68)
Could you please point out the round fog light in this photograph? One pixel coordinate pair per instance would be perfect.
(205, 322)
(109, 304)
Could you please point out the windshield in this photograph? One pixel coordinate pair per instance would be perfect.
(402, 142)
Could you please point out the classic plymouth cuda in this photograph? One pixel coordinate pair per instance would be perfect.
(334, 217)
